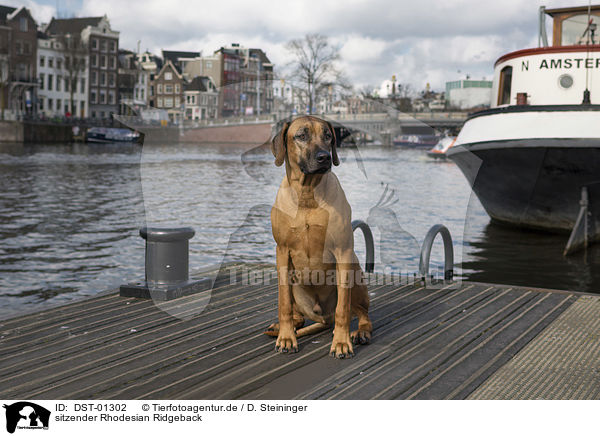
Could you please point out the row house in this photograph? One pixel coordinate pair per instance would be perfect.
(133, 84)
(62, 77)
(18, 61)
(201, 99)
(168, 91)
(102, 46)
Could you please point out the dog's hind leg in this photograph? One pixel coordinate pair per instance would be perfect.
(311, 329)
(273, 329)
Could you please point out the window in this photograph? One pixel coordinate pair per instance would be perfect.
(504, 86)
(103, 45)
(58, 104)
(93, 96)
(102, 61)
(50, 104)
(113, 46)
(50, 62)
(23, 24)
(58, 82)
(159, 88)
(168, 75)
(50, 80)
(42, 81)
(168, 102)
(59, 64)
(41, 103)
(102, 97)
(168, 89)
(102, 79)
(142, 94)
(177, 89)
(111, 80)
(159, 102)
(67, 87)
(177, 101)
(94, 78)
(111, 97)
(113, 62)
(94, 44)
(82, 88)
(94, 60)
(19, 47)
(208, 64)
(42, 61)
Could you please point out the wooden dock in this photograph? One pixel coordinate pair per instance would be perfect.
(449, 341)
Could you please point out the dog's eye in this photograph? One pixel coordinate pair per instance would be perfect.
(327, 136)
(301, 136)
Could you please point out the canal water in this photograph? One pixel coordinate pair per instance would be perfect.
(70, 216)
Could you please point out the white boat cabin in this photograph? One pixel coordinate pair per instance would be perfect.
(557, 74)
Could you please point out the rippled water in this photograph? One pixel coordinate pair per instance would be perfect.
(70, 214)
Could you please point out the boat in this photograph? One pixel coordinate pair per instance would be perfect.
(416, 141)
(111, 134)
(442, 147)
(529, 156)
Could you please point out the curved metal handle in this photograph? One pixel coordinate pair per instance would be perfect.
(448, 252)
(370, 261)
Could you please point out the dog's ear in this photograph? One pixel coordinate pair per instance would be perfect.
(334, 156)
(278, 145)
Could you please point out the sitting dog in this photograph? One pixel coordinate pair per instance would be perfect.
(319, 276)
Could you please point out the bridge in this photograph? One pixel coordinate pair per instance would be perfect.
(386, 126)
(383, 126)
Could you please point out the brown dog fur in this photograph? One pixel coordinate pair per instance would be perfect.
(318, 272)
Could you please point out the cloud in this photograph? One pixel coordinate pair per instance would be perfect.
(427, 41)
(40, 12)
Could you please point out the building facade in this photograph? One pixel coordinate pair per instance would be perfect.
(133, 84)
(168, 91)
(18, 61)
(54, 78)
(201, 99)
(102, 44)
(468, 94)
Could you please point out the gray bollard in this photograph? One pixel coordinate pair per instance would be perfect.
(167, 266)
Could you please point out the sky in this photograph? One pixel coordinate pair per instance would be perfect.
(420, 42)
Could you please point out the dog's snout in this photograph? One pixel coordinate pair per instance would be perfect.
(323, 157)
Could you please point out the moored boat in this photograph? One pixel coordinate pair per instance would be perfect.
(111, 134)
(529, 156)
(442, 147)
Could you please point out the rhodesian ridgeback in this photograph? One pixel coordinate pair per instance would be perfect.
(319, 276)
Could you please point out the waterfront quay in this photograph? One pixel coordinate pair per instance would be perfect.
(440, 340)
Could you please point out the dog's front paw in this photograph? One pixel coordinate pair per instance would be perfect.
(286, 342)
(341, 347)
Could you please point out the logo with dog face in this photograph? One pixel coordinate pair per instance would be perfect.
(26, 415)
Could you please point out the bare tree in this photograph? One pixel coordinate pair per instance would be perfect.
(74, 51)
(314, 68)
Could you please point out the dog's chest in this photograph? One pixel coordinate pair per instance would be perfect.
(307, 237)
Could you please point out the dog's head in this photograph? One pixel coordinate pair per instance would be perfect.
(308, 144)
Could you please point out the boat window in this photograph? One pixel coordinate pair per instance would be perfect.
(574, 30)
(504, 88)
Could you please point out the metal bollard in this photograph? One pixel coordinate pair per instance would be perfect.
(167, 266)
(167, 254)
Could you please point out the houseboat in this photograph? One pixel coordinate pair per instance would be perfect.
(528, 157)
